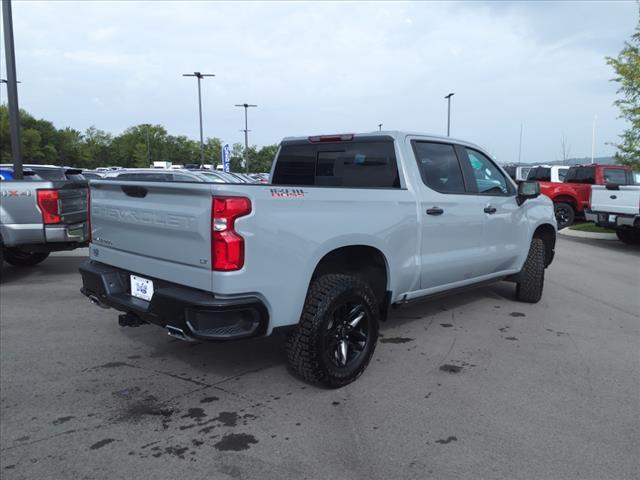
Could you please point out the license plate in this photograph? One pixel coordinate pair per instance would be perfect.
(141, 288)
(612, 218)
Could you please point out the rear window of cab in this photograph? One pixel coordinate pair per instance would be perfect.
(358, 164)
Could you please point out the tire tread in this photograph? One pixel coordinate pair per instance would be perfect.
(529, 288)
(302, 354)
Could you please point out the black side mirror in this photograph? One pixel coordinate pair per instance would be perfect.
(526, 190)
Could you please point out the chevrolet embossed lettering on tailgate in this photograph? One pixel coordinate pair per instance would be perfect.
(165, 221)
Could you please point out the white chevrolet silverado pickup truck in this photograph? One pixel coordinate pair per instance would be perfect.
(349, 226)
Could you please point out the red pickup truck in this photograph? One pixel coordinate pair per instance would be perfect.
(572, 196)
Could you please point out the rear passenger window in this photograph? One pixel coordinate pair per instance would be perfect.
(617, 176)
(586, 175)
(570, 177)
(439, 166)
(364, 164)
(540, 174)
(562, 173)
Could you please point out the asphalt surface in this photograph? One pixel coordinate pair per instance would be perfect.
(472, 386)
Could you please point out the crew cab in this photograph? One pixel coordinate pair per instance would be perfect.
(617, 207)
(571, 197)
(40, 216)
(349, 226)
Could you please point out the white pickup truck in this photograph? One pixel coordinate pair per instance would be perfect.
(616, 206)
(349, 226)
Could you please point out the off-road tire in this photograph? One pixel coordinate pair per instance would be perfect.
(19, 258)
(305, 354)
(569, 214)
(628, 235)
(529, 287)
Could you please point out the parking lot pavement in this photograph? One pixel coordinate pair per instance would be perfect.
(471, 386)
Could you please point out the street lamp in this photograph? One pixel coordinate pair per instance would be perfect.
(379, 127)
(246, 106)
(593, 139)
(200, 76)
(12, 89)
(448, 97)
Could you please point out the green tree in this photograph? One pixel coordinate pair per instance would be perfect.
(36, 138)
(260, 160)
(627, 68)
(97, 147)
(138, 146)
(213, 151)
(236, 158)
(69, 148)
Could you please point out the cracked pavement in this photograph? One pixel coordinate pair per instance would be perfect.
(470, 386)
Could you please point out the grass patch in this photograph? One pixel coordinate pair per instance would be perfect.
(591, 228)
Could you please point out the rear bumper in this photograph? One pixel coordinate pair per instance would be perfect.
(196, 313)
(612, 220)
(45, 238)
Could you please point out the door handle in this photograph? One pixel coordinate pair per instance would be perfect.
(490, 210)
(435, 211)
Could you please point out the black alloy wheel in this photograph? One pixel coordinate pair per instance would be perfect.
(565, 215)
(347, 335)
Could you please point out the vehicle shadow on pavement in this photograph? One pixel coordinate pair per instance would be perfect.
(222, 361)
(422, 310)
(51, 267)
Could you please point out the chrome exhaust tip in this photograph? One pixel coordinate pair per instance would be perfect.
(96, 301)
(179, 334)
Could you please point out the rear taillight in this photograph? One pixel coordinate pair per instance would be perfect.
(227, 246)
(49, 203)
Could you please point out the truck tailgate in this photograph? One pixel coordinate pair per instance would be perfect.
(154, 228)
(623, 200)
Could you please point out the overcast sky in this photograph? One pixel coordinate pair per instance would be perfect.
(330, 67)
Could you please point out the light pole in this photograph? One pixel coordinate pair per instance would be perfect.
(246, 106)
(593, 138)
(448, 97)
(379, 127)
(520, 146)
(2, 80)
(12, 89)
(200, 76)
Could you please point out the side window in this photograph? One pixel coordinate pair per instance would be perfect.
(562, 174)
(586, 175)
(489, 179)
(571, 175)
(439, 167)
(182, 178)
(541, 174)
(615, 175)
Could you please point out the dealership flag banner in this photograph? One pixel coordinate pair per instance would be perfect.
(226, 157)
